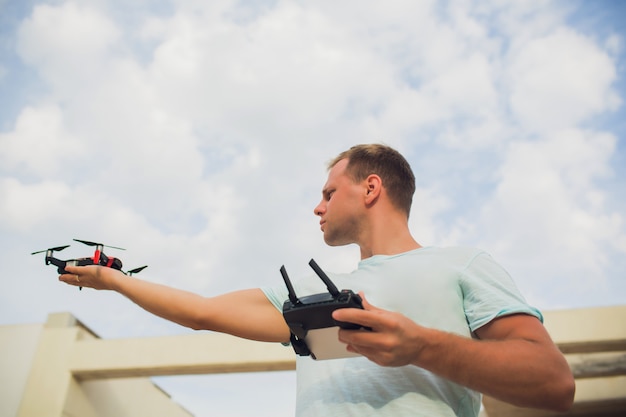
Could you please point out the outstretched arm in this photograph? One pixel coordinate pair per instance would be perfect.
(514, 359)
(247, 313)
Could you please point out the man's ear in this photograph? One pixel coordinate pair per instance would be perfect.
(374, 186)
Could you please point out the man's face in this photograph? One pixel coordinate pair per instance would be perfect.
(340, 208)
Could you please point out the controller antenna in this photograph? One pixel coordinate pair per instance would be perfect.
(292, 294)
(329, 284)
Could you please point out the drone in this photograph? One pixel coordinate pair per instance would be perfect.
(98, 258)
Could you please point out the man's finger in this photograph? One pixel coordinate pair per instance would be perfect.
(365, 303)
(72, 269)
(358, 316)
(71, 279)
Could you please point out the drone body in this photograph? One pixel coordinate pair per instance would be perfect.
(98, 258)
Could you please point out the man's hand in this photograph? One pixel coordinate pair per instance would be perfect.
(92, 276)
(393, 341)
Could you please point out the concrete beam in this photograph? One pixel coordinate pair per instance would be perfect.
(49, 381)
(601, 397)
(595, 365)
(583, 330)
(599, 329)
(201, 353)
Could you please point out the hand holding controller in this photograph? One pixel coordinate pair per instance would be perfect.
(313, 330)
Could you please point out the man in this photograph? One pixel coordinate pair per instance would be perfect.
(446, 323)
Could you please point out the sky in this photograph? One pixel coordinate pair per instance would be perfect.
(196, 134)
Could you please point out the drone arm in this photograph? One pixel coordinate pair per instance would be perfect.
(56, 262)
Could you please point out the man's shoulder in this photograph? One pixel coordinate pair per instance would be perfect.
(459, 252)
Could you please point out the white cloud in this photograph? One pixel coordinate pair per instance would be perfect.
(39, 143)
(242, 80)
(24, 207)
(561, 80)
(69, 44)
(548, 214)
(614, 44)
(193, 129)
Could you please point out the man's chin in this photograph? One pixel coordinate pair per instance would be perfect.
(330, 241)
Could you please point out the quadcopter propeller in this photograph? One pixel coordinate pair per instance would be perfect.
(88, 243)
(57, 249)
(136, 270)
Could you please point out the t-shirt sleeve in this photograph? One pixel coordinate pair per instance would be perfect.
(489, 292)
(276, 296)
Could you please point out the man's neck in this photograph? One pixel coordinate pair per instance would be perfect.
(392, 244)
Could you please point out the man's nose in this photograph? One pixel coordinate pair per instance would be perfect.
(319, 209)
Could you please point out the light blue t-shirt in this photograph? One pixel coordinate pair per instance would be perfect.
(456, 290)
